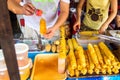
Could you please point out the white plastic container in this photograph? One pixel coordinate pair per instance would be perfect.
(4, 74)
(84, 43)
(21, 50)
(2, 61)
(21, 53)
(24, 72)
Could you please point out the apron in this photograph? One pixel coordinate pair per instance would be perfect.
(96, 13)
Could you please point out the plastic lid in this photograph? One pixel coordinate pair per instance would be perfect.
(21, 48)
(1, 54)
(3, 69)
(26, 66)
(20, 68)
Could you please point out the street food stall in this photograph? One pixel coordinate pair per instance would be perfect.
(88, 55)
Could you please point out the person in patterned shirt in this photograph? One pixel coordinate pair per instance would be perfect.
(96, 15)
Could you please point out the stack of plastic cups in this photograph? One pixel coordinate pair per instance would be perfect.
(24, 63)
(3, 68)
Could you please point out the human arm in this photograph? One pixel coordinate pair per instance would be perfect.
(118, 21)
(79, 11)
(64, 12)
(111, 16)
(15, 7)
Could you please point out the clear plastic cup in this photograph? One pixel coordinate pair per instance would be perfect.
(4, 74)
(2, 61)
(22, 53)
(24, 72)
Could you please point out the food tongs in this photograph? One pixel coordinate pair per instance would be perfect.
(77, 33)
(109, 38)
(39, 45)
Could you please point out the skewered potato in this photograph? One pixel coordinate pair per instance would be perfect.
(103, 70)
(75, 44)
(98, 53)
(58, 49)
(106, 50)
(115, 70)
(53, 48)
(71, 71)
(62, 52)
(84, 71)
(87, 60)
(88, 33)
(93, 54)
(77, 73)
(48, 47)
(79, 67)
(109, 70)
(90, 71)
(71, 54)
(97, 71)
(81, 57)
(91, 64)
(43, 28)
(79, 53)
(56, 42)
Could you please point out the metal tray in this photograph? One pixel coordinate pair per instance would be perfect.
(46, 68)
(115, 48)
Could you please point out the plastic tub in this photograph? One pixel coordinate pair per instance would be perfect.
(21, 50)
(23, 62)
(21, 59)
(4, 74)
(84, 42)
(22, 54)
(2, 61)
(24, 72)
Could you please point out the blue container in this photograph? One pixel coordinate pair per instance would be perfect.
(115, 77)
(32, 55)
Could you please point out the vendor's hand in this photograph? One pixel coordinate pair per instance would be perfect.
(28, 9)
(103, 28)
(50, 33)
(76, 25)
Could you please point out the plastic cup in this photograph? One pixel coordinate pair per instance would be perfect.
(22, 53)
(2, 61)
